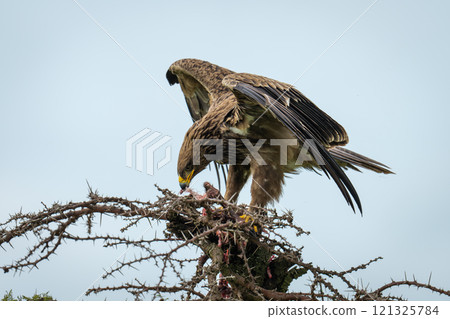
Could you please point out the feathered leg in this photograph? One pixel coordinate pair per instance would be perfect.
(267, 184)
(237, 177)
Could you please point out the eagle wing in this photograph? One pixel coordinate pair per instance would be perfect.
(200, 81)
(265, 99)
(196, 95)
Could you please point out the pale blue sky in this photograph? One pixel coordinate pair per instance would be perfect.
(70, 98)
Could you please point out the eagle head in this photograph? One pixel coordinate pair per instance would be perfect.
(189, 163)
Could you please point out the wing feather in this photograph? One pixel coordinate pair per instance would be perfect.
(201, 83)
(305, 120)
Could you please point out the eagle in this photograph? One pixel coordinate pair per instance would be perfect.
(263, 129)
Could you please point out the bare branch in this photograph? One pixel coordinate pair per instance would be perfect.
(204, 249)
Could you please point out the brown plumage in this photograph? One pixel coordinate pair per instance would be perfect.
(245, 110)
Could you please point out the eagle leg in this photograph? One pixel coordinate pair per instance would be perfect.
(237, 177)
(267, 184)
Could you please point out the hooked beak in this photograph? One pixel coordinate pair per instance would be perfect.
(184, 183)
(183, 186)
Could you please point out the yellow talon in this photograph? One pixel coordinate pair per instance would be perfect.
(247, 218)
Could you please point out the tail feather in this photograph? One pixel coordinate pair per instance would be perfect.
(350, 159)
